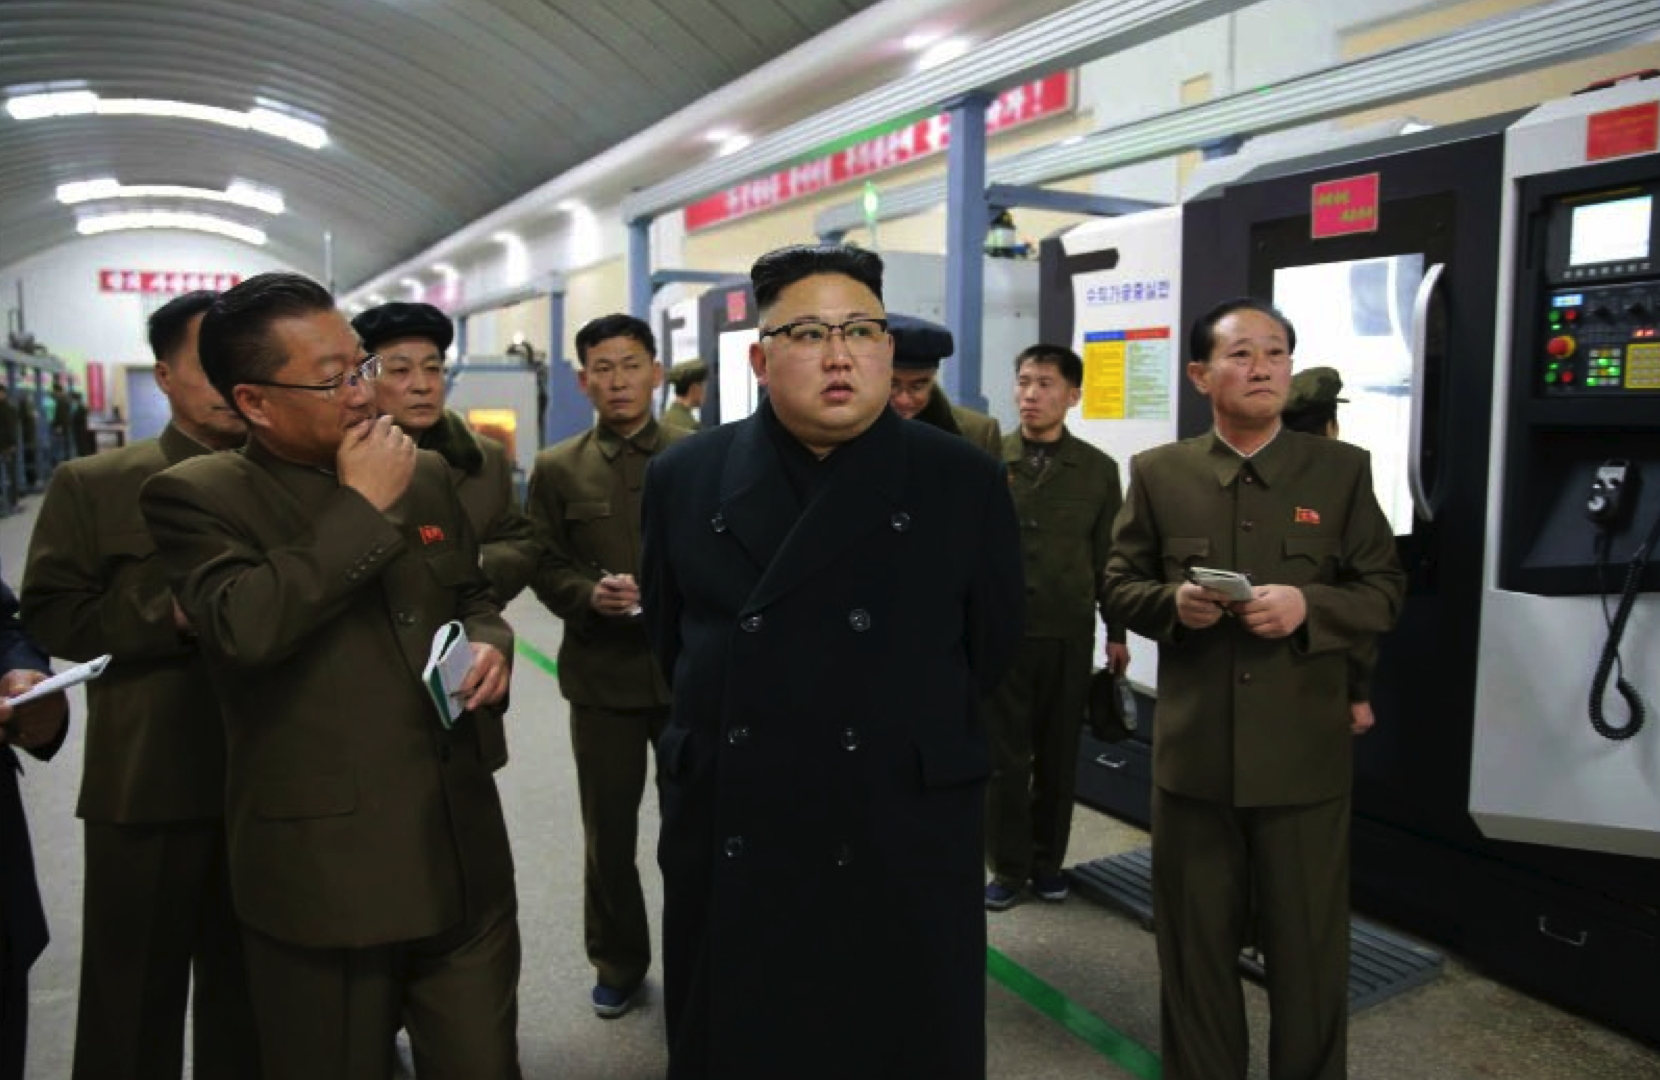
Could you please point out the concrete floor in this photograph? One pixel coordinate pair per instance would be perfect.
(1461, 1027)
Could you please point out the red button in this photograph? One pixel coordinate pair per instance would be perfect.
(1561, 346)
(1567, 376)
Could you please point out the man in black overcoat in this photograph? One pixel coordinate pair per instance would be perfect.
(830, 591)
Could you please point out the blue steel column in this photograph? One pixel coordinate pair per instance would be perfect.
(569, 411)
(966, 221)
(639, 268)
(461, 337)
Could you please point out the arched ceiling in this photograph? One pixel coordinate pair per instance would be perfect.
(437, 111)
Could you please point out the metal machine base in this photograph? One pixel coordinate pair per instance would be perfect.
(1381, 964)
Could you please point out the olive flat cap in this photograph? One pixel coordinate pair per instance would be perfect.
(1314, 387)
(401, 319)
(918, 343)
(687, 374)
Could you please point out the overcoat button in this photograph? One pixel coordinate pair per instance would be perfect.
(718, 523)
(859, 619)
(900, 521)
(1245, 678)
(844, 855)
(751, 623)
(405, 619)
(738, 735)
(734, 846)
(850, 738)
(1247, 525)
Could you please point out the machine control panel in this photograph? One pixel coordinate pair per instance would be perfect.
(1602, 339)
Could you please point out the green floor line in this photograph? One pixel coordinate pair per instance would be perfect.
(1100, 1036)
(536, 656)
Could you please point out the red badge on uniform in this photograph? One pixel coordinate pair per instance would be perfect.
(1304, 516)
(432, 534)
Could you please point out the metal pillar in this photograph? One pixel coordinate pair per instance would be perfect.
(461, 336)
(966, 220)
(569, 410)
(639, 267)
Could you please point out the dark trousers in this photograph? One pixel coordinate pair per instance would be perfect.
(611, 747)
(333, 1014)
(1213, 866)
(1034, 718)
(157, 912)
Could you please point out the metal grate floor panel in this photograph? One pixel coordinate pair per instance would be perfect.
(1381, 964)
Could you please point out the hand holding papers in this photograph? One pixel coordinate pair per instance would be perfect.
(447, 666)
(76, 675)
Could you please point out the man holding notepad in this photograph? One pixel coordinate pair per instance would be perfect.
(369, 858)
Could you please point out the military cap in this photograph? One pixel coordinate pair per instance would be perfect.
(1314, 388)
(687, 374)
(400, 319)
(918, 343)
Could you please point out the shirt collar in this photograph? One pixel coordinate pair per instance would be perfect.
(1267, 462)
(647, 440)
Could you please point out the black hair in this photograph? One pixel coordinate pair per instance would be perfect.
(778, 270)
(686, 378)
(235, 340)
(1313, 420)
(1070, 364)
(1202, 338)
(607, 327)
(169, 324)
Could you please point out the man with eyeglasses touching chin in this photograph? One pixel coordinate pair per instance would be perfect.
(829, 590)
(369, 858)
(1252, 755)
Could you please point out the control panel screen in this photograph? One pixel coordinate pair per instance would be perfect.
(1610, 231)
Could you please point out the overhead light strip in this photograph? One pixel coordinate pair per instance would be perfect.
(261, 118)
(238, 193)
(1527, 40)
(169, 219)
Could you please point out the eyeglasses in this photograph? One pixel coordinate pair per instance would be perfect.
(862, 337)
(367, 371)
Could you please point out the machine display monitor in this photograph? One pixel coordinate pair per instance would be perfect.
(1566, 300)
(1356, 317)
(1610, 231)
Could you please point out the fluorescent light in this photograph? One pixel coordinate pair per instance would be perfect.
(239, 193)
(262, 118)
(719, 134)
(941, 53)
(168, 219)
(733, 145)
(918, 40)
(377, 299)
(571, 206)
(444, 269)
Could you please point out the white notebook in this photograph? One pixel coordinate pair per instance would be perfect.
(447, 666)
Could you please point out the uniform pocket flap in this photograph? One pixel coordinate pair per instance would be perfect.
(312, 797)
(1313, 548)
(1186, 549)
(452, 568)
(948, 763)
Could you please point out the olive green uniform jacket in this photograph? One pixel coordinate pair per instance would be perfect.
(484, 483)
(1241, 719)
(355, 819)
(155, 742)
(585, 503)
(1066, 514)
(978, 428)
(679, 416)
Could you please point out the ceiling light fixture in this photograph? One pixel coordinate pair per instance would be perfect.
(446, 271)
(267, 118)
(917, 40)
(238, 193)
(169, 219)
(942, 52)
(733, 144)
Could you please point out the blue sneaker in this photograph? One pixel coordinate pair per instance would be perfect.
(1000, 897)
(610, 1003)
(1052, 889)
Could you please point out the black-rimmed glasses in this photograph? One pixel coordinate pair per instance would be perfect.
(367, 371)
(812, 336)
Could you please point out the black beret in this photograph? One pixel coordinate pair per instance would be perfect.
(918, 343)
(399, 319)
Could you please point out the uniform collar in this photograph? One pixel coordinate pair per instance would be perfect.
(1268, 463)
(648, 440)
(176, 445)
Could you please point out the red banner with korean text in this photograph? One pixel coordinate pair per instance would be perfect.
(164, 281)
(1038, 100)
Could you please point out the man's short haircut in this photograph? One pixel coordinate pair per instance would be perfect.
(1312, 420)
(1202, 338)
(170, 324)
(1070, 364)
(607, 327)
(687, 374)
(235, 340)
(778, 270)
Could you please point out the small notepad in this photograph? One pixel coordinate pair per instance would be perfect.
(447, 666)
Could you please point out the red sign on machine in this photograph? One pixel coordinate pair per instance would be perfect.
(1634, 129)
(164, 281)
(1340, 207)
(1038, 100)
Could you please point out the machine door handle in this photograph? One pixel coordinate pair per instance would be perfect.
(1108, 762)
(1421, 503)
(1576, 940)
